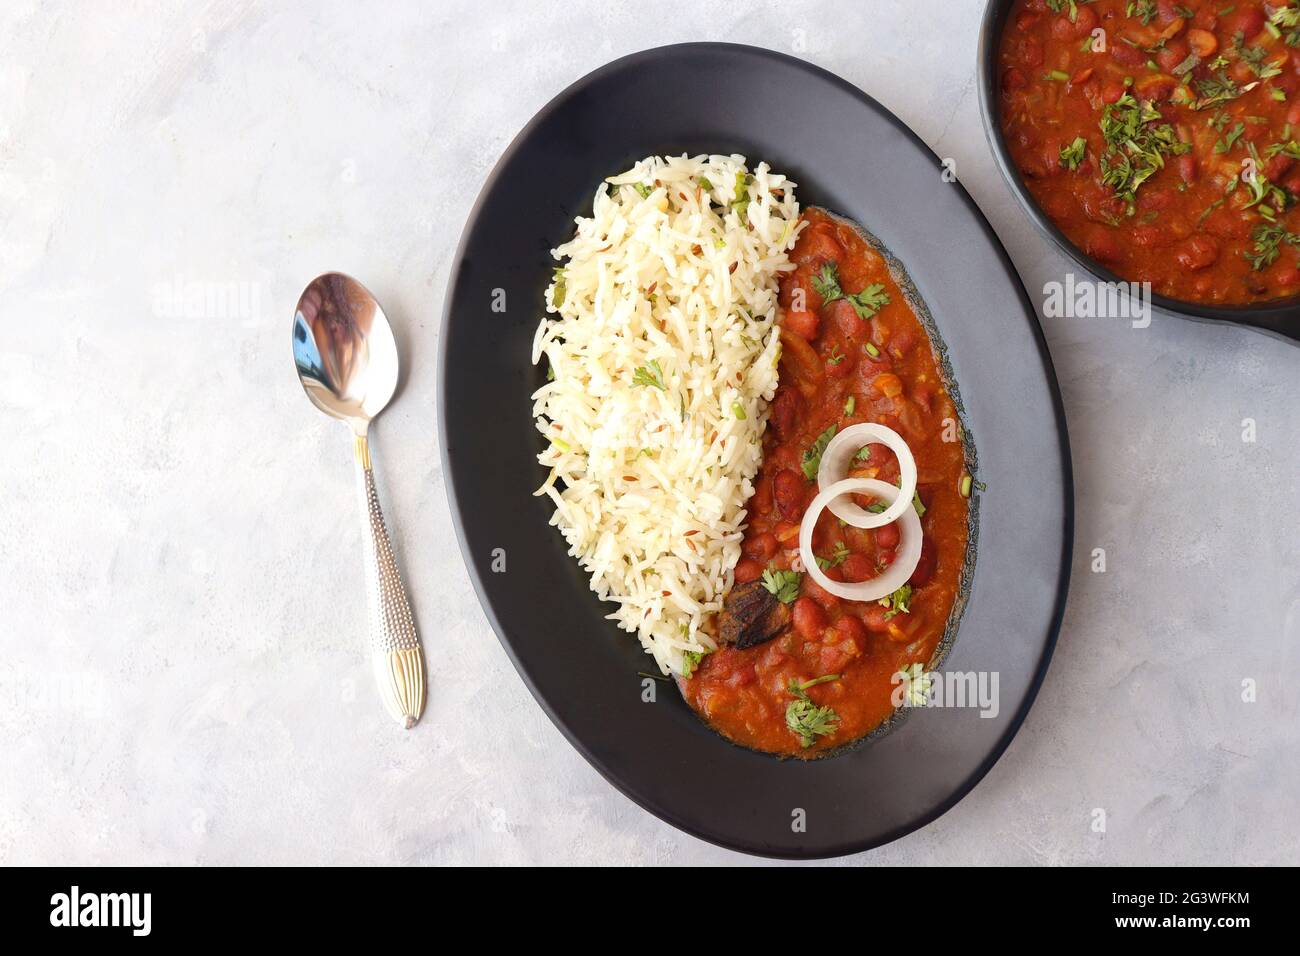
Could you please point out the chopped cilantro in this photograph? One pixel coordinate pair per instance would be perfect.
(1072, 155)
(812, 456)
(806, 719)
(650, 375)
(900, 602)
(783, 585)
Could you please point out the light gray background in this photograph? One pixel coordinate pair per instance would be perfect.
(182, 675)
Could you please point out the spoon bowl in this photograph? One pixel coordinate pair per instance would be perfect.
(344, 349)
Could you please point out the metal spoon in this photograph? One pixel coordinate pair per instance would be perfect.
(347, 362)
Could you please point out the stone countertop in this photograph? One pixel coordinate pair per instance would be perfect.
(182, 673)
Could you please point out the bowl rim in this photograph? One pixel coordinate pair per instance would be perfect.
(663, 810)
(1281, 318)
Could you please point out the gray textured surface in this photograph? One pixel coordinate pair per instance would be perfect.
(183, 674)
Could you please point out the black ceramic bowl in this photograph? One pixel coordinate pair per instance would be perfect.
(850, 155)
(1280, 318)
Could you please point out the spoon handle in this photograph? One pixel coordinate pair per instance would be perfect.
(395, 646)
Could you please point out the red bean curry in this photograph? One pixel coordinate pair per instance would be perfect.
(852, 351)
(1162, 137)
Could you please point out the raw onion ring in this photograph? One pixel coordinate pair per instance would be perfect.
(909, 548)
(837, 458)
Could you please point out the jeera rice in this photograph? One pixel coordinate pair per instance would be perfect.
(662, 351)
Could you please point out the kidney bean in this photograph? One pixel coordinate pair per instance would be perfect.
(809, 619)
(785, 412)
(846, 318)
(857, 567)
(851, 629)
(1126, 55)
(817, 245)
(873, 618)
(760, 547)
(1246, 20)
(1085, 22)
(925, 567)
(1197, 252)
(788, 490)
(804, 324)
(819, 594)
(1031, 52)
(1100, 243)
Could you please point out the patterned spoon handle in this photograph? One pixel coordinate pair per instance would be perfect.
(395, 647)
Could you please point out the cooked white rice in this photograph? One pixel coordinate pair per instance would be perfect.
(664, 358)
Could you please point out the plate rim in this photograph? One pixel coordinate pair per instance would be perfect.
(657, 808)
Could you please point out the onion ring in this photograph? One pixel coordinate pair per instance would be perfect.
(909, 549)
(839, 455)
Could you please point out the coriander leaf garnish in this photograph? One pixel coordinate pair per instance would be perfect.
(837, 556)
(1288, 19)
(916, 684)
(642, 190)
(865, 303)
(918, 504)
(1268, 239)
(1216, 89)
(900, 602)
(812, 456)
(1289, 148)
(1230, 139)
(1256, 58)
(783, 585)
(805, 718)
(827, 283)
(692, 661)
(1136, 149)
(1144, 10)
(650, 375)
(869, 301)
(1261, 190)
(1072, 155)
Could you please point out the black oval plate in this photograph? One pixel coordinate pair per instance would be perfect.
(852, 156)
(1280, 317)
